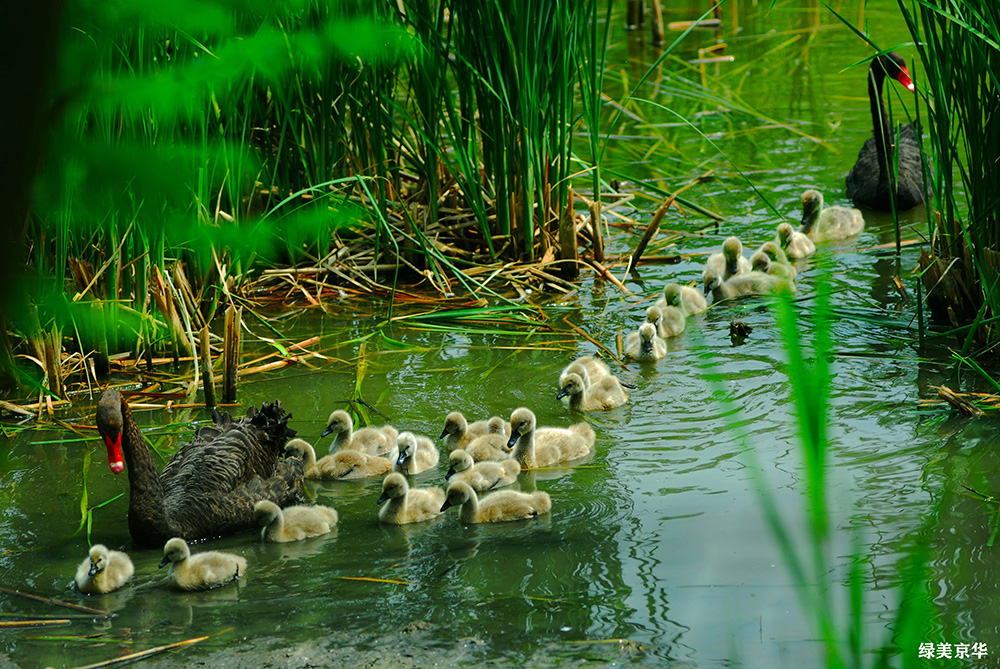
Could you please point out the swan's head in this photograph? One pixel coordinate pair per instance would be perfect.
(459, 493)
(712, 280)
(407, 445)
(265, 511)
(732, 251)
(522, 421)
(672, 295)
(647, 332)
(175, 550)
(892, 64)
(394, 486)
(812, 205)
(575, 367)
(339, 422)
(654, 316)
(773, 252)
(299, 448)
(109, 425)
(785, 231)
(572, 385)
(458, 461)
(99, 557)
(497, 425)
(760, 261)
(454, 423)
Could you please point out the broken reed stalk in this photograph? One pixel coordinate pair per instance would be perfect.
(131, 657)
(36, 623)
(651, 229)
(656, 29)
(634, 13)
(57, 602)
(231, 353)
(595, 228)
(164, 298)
(99, 336)
(567, 241)
(208, 376)
(52, 343)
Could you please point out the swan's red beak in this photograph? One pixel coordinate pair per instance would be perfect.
(115, 460)
(904, 78)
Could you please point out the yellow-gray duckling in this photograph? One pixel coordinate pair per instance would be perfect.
(541, 447)
(498, 507)
(669, 321)
(404, 505)
(602, 395)
(458, 432)
(755, 283)
(762, 263)
(577, 368)
(481, 476)
(201, 571)
(835, 222)
(645, 345)
(293, 523)
(343, 465)
(103, 571)
(689, 300)
(730, 261)
(595, 367)
(795, 244)
(380, 441)
(493, 445)
(416, 454)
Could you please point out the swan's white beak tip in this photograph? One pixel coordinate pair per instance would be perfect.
(117, 467)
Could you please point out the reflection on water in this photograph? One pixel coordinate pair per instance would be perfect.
(656, 545)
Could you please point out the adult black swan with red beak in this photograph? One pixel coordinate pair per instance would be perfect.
(889, 165)
(211, 484)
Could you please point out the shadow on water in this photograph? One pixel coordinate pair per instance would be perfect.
(656, 550)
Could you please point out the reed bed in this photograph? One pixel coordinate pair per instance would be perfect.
(366, 144)
(959, 47)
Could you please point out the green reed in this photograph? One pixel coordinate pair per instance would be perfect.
(229, 136)
(832, 594)
(959, 47)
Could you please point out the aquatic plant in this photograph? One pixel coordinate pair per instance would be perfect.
(832, 595)
(959, 48)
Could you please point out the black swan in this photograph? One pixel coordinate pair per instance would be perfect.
(873, 179)
(210, 486)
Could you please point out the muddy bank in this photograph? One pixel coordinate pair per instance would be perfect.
(414, 646)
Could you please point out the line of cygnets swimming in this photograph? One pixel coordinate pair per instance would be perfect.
(727, 274)
(489, 454)
(482, 458)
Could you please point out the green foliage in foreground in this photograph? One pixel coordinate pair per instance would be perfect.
(832, 592)
(231, 134)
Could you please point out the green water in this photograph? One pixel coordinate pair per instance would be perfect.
(657, 545)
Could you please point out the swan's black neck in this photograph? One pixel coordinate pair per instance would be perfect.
(880, 121)
(146, 518)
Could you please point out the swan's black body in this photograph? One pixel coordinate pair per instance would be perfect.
(210, 486)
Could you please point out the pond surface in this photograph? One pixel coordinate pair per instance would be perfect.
(657, 550)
